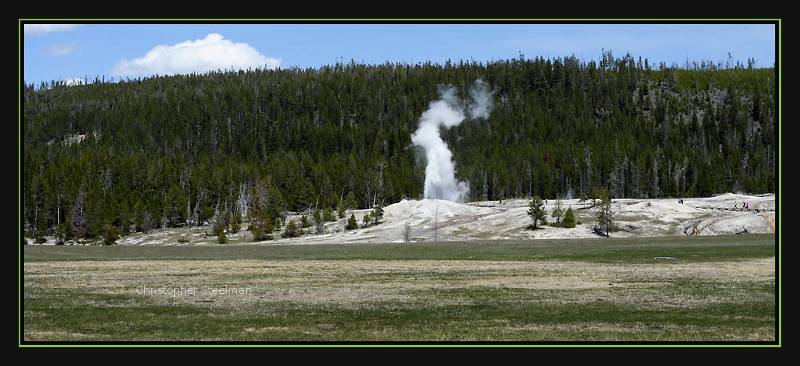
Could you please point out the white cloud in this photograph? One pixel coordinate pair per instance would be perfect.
(62, 49)
(208, 54)
(48, 28)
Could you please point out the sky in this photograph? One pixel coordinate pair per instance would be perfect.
(68, 52)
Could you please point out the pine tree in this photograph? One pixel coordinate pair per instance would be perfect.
(262, 225)
(110, 234)
(376, 215)
(350, 201)
(219, 227)
(558, 212)
(64, 232)
(327, 214)
(536, 211)
(317, 216)
(569, 218)
(366, 219)
(235, 223)
(352, 224)
(598, 193)
(605, 216)
(340, 209)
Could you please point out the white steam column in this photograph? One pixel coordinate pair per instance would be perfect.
(440, 180)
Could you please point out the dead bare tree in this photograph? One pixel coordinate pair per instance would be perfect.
(436, 225)
(244, 199)
(195, 217)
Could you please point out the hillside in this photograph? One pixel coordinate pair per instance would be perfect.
(167, 151)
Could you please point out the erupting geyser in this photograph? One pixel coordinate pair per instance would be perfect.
(448, 111)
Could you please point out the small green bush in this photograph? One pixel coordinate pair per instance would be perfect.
(291, 231)
(110, 234)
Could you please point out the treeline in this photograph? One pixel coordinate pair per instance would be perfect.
(177, 150)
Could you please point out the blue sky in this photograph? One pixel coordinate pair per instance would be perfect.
(119, 50)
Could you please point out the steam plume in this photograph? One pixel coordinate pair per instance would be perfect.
(448, 111)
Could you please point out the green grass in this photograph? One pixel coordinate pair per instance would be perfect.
(436, 303)
(492, 314)
(609, 250)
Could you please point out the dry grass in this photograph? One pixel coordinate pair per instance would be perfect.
(355, 282)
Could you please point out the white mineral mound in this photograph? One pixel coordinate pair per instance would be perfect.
(426, 210)
(660, 207)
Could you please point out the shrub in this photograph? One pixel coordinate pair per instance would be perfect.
(291, 231)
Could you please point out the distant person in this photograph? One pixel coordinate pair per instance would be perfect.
(734, 205)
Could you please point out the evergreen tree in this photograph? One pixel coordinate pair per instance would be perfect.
(536, 211)
(64, 232)
(110, 234)
(340, 209)
(366, 219)
(262, 225)
(219, 228)
(558, 212)
(235, 223)
(605, 216)
(377, 214)
(569, 218)
(350, 201)
(317, 216)
(327, 214)
(352, 224)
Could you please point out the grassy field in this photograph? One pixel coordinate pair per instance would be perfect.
(645, 289)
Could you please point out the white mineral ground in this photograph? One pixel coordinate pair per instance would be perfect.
(493, 220)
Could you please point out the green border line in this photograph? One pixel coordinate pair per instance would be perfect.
(20, 24)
